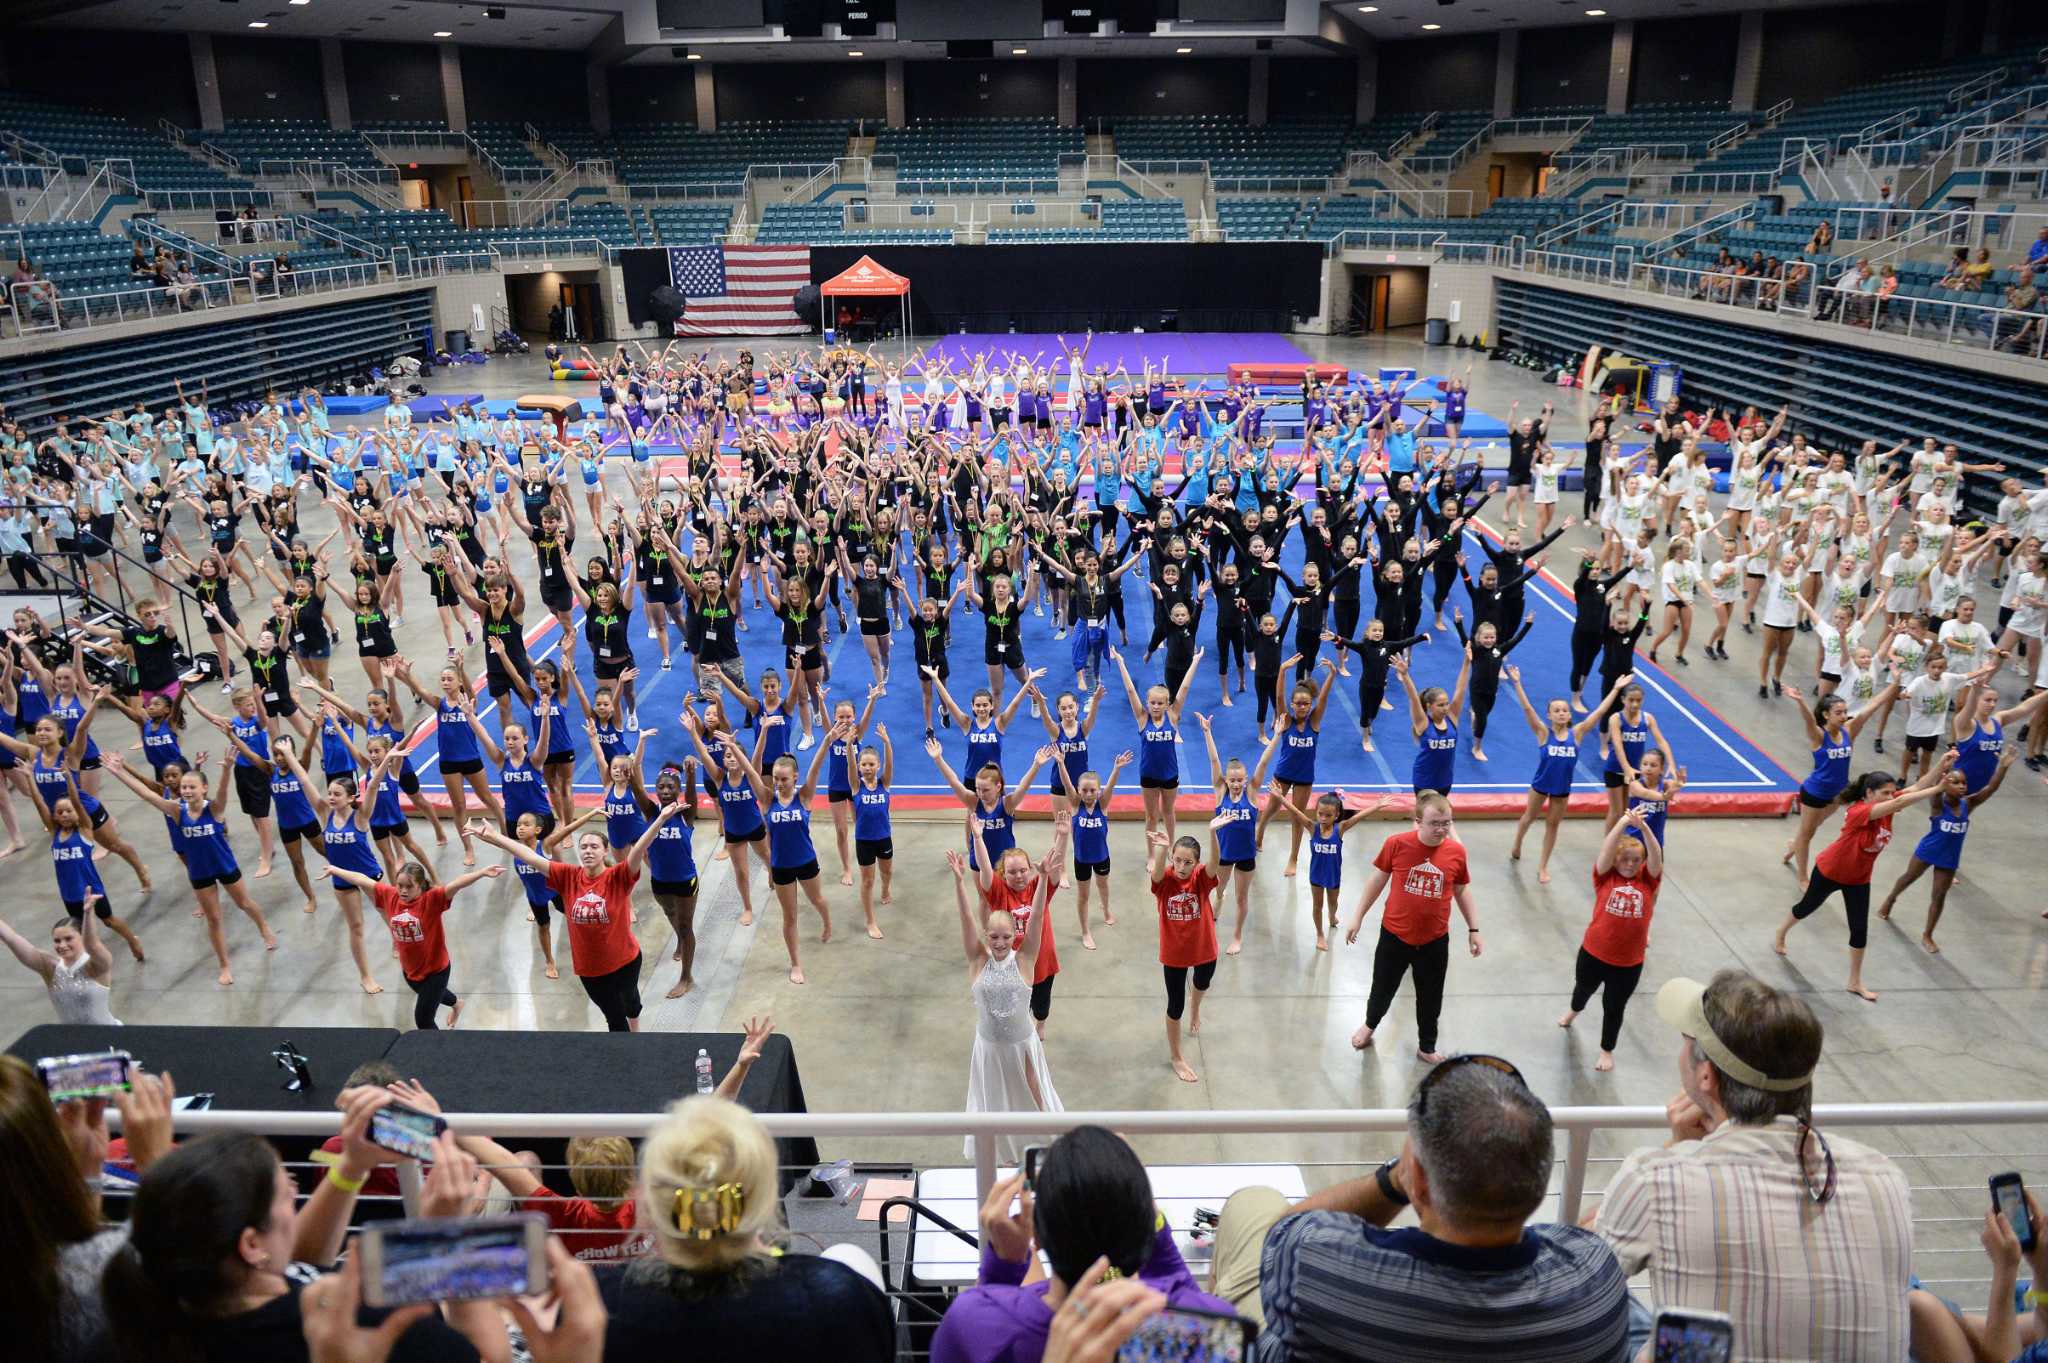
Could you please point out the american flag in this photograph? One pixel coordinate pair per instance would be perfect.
(739, 290)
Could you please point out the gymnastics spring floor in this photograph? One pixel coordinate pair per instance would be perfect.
(1728, 774)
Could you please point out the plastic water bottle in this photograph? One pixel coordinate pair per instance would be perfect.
(704, 1084)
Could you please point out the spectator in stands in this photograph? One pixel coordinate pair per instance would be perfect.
(32, 291)
(2014, 333)
(1092, 1200)
(1475, 1280)
(709, 1195)
(186, 289)
(2008, 1329)
(56, 1242)
(1822, 240)
(2037, 252)
(1958, 263)
(598, 1224)
(138, 263)
(1977, 276)
(218, 1253)
(1747, 1174)
(1887, 284)
(1844, 287)
(1798, 288)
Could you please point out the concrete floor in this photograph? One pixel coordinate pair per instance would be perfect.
(888, 1024)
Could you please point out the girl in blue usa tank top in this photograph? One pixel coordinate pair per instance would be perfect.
(839, 783)
(1299, 726)
(1831, 732)
(343, 828)
(1233, 824)
(873, 840)
(1089, 803)
(1433, 719)
(739, 810)
(1557, 761)
(461, 760)
(993, 803)
(209, 860)
(1940, 850)
(1326, 830)
(792, 860)
(672, 866)
(1158, 720)
(79, 886)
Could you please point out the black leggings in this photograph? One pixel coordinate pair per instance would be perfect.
(1177, 985)
(1482, 707)
(1370, 694)
(1392, 959)
(1617, 982)
(1229, 640)
(1041, 997)
(24, 567)
(617, 995)
(1446, 572)
(1585, 653)
(1855, 899)
(1592, 490)
(1264, 685)
(430, 995)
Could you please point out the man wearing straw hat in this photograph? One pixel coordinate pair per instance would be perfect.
(1804, 1240)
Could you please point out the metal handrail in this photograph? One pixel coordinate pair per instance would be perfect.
(1777, 112)
(342, 238)
(1990, 80)
(188, 245)
(1578, 1124)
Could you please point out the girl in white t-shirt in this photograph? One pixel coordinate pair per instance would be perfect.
(1904, 578)
(1745, 478)
(1724, 587)
(2028, 591)
(1545, 475)
(1677, 584)
(1781, 603)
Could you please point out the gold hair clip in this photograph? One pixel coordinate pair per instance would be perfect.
(726, 1203)
(1110, 1275)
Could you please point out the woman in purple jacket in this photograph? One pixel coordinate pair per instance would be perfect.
(1091, 1200)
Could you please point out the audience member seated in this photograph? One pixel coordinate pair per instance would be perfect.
(1822, 240)
(219, 1260)
(56, 1240)
(32, 291)
(1092, 1202)
(714, 1286)
(2014, 1325)
(2014, 333)
(598, 1224)
(1476, 1279)
(2037, 251)
(1710, 1216)
(1958, 265)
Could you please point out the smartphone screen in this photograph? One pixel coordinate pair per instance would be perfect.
(416, 1261)
(2010, 1197)
(405, 1131)
(1683, 1337)
(1031, 1154)
(1183, 1336)
(85, 1076)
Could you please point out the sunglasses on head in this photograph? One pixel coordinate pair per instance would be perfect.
(1457, 1062)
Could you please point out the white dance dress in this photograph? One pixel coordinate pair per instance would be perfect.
(78, 998)
(1008, 1055)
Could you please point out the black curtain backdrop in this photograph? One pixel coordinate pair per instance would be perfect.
(642, 272)
(1250, 286)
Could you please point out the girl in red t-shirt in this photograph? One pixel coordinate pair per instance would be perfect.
(1846, 864)
(412, 909)
(1183, 883)
(1626, 875)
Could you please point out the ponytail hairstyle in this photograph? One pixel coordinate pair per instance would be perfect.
(1862, 787)
(183, 1232)
(44, 1207)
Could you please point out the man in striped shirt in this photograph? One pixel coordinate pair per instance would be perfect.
(1331, 1282)
(1805, 1241)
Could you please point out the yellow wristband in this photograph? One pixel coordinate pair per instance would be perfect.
(2037, 1297)
(347, 1185)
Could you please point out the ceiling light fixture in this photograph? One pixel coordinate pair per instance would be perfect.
(258, 23)
(1019, 51)
(1431, 28)
(694, 57)
(1183, 51)
(443, 33)
(1368, 9)
(856, 54)
(1595, 13)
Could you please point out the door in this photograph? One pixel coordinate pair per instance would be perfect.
(589, 320)
(1496, 181)
(464, 191)
(1382, 287)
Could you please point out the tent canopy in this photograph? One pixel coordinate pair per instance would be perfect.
(865, 279)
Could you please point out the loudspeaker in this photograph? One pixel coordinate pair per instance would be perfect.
(665, 304)
(970, 50)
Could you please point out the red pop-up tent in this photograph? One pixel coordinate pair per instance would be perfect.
(865, 279)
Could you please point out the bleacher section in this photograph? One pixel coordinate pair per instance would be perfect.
(1506, 218)
(1842, 393)
(81, 137)
(1145, 219)
(254, 141)
(236, 359)
(606, 221)
(1262, 219)
(685, 224)
(791, 224)
(1691, 125)
(1454, 128)
(1004, 149)
(506, 143)
(667, 153)
(1383, 132)
(75, 256)
(1836, 122)
(1296, 149)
